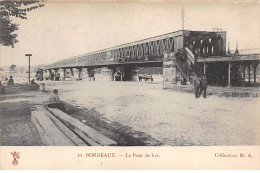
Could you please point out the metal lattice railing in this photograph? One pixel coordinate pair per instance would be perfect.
(250, 51)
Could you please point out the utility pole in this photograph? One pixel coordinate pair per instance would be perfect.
(29, 55)
(182, 15)
(237, 52)
(228, 49)
(115, 38)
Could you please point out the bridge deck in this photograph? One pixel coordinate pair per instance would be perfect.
(252, 57)
(105, 64)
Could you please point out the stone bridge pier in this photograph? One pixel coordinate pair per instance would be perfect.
(56, 74)
(128, 73)
(62, 74)
(91, 74)
(80, 73)
(48, 73)
(76, 73)
(53, 73)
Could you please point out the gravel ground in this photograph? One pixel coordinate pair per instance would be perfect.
(137, 114)
(164, 117)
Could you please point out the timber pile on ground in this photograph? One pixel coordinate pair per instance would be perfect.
(60, 129)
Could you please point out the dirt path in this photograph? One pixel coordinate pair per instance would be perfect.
(123, 135)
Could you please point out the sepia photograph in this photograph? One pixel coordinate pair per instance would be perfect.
(129, 81)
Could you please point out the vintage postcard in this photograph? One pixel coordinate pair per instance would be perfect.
(129, 84)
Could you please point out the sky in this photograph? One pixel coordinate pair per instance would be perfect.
(66, 29)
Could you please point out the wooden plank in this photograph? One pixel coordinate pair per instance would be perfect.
(63, 128)
(44, 138)
(71, 134)
(76, 124)
(49, 133)
(85, 138)
(68, 132)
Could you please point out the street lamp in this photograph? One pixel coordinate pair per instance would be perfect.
(29, 55)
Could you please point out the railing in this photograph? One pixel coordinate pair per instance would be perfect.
(190, 55)
(252, 51)
(124, 60)
(181, 67)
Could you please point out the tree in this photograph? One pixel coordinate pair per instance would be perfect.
(13, 68)
(21, 70)
(8, 37)
(18, 9)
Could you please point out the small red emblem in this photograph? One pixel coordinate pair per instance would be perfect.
(15, 156)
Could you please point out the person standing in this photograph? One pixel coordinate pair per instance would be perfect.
(2, 90)
(197, 85)
(204, 85)
(10, 81)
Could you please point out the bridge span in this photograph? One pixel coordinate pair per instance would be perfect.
(182, 55)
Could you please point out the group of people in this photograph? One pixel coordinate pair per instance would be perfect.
(200, 85)
(10, 81)
(118, 76)
(39, 75)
